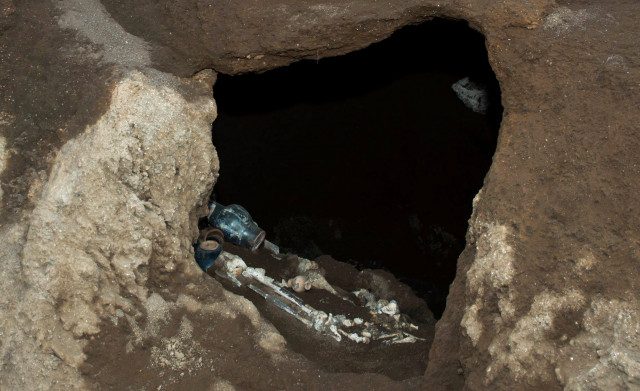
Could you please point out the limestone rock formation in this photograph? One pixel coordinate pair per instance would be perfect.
(106, 162)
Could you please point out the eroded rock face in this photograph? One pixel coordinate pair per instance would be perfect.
(243, 36)
(105, 169)
(117, 208)
(568, 334)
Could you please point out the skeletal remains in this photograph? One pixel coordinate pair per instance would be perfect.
(387, 324)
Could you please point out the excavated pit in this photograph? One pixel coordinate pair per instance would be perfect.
(107, 162)
(370, 158)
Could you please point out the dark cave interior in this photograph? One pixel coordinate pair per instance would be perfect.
(369, 157)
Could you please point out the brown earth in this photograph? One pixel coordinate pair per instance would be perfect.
(546, 291)
(226, 354)
(44, 95)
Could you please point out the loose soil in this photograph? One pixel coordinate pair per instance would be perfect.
(227, 351)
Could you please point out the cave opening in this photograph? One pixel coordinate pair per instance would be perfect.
(371, 157)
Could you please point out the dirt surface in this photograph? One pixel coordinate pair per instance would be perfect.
(45, 86)
(241, 36)
(191, 352)
(545, 295)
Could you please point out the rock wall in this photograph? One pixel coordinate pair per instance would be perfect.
(118, 207)
(551, 239)
(106, 160)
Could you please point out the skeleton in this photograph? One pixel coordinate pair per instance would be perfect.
(388, 325)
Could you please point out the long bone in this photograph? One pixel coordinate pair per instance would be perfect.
(234, 269)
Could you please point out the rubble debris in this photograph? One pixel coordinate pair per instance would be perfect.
(377, 306)
(386, 324)
(311, 272)
(472, 94)
(234, 224)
